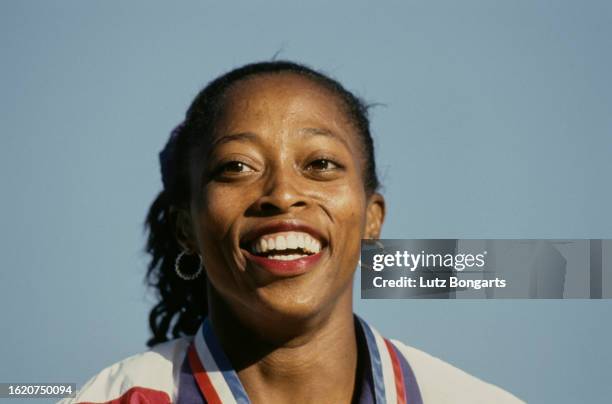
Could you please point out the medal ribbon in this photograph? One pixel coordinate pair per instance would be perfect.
(393, 380)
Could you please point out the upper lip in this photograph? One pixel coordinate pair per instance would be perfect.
(281, 226)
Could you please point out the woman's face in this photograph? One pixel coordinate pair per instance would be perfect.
(278, 204)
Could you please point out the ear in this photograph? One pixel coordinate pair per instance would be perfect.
(183, 229)
(375, 215)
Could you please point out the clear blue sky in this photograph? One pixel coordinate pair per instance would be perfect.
(497, 123)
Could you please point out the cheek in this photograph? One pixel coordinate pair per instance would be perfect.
(347, 210)
(218, 210)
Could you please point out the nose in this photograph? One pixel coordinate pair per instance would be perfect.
(281, 193)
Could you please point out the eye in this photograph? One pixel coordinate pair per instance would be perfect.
(233, 168)
(237, 167)
(322, 165)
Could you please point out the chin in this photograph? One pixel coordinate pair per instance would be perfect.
(299, 304)
(289, 304)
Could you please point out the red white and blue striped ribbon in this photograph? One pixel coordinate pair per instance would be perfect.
(393, 381)
(389, 384)
(213, 372)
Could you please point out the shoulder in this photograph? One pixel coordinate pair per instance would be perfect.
(149, 376)
(440, 382)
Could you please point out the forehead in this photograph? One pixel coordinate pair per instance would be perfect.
(282, 98)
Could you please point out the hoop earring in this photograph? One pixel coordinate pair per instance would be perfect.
(187, 277)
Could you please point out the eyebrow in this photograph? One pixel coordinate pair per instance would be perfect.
(324, 132)
(249, 137)
(240, 137)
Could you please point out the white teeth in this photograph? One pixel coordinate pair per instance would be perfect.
(308, 242)
(312, 245)
(292, 241)
(281, 243)
(284, 241)
(289, 257)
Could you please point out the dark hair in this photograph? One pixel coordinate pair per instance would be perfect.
(182, 304)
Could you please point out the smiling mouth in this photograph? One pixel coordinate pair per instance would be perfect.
(285, 246)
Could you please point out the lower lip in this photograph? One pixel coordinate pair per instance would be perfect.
(285, 268)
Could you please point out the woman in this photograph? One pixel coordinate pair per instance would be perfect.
(269, 187)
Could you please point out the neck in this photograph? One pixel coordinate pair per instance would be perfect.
(287, 361)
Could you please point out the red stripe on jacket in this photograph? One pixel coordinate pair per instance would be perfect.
(138, 395)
